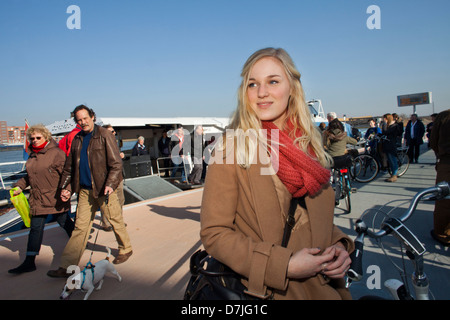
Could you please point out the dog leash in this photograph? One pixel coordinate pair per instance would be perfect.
(96, 236)
(95, 242)
(89, 265)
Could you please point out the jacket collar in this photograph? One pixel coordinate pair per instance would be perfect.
(95, 132)
(51, 144)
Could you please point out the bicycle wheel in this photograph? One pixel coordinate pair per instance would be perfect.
(366, 168)
(403, 163)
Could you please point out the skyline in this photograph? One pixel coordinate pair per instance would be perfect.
(184, 58)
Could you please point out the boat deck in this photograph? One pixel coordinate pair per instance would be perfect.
(165, 232)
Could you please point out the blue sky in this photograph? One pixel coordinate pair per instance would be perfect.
(150, 58)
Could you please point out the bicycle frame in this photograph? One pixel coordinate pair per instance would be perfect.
(347, 188)
(343, 187)
(415, 249)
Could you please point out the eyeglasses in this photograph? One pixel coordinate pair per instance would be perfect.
(35, 138)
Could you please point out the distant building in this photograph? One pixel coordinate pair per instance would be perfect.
(16, 134)
(3, 132)
(11, 134)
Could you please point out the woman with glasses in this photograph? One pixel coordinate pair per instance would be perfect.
(44, 167)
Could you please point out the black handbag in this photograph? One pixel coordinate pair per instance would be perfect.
(216, 281)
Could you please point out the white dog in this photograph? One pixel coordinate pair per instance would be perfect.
(89, 277)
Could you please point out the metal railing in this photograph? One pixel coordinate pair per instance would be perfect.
(187, 164)
(6, 175)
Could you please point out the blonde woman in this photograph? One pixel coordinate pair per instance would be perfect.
(246, 200)
(44, 168)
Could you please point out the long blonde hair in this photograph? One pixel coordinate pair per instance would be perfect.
(244, 117)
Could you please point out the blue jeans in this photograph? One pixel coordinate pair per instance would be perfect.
(393, 164)
(37, 225)
(175, 169)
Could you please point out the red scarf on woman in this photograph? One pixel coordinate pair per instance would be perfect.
(38, 148)
(301, 174)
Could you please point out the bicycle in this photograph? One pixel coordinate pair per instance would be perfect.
(402, 160)
(341, 179)
(365, 167)
(414, 248)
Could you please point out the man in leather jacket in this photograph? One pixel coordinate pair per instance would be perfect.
(93, 169)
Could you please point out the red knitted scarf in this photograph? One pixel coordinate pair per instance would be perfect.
(38, 148)
(299, 172)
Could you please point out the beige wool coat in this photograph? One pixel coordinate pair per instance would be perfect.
(242, 222)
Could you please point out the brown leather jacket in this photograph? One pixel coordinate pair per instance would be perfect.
(104, 161)
(44, 170)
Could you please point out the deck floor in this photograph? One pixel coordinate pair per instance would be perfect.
(164, 233)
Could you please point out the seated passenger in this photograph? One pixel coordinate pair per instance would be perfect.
(336, 139)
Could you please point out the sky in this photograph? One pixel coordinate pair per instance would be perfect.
(146, 58)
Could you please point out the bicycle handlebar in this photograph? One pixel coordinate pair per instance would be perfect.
(355, 272)
(363, 142)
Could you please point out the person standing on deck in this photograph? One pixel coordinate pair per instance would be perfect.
(44, 169)
(440, 143)
(414, 132)
(93, 169)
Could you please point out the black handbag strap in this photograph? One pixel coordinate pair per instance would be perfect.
(290, 220)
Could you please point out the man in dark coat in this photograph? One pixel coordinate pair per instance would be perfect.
(414, 132)
(440, 143)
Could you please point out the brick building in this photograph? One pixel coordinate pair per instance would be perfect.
(11, 134)
(3, 132)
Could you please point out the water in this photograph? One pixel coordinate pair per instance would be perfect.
(5, 171)
(11, 155)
